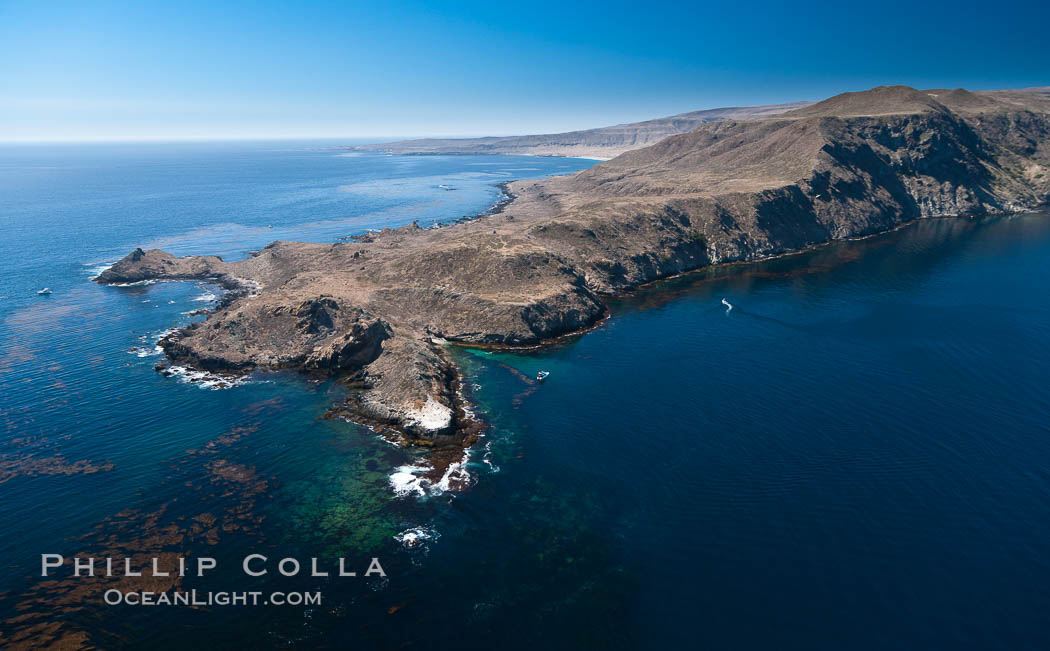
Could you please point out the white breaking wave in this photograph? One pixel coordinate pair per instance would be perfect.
(206, 380)
(146, 351)
(96, 269)
(406, 480)
(456, 472)
(487, 459)
(416, 536)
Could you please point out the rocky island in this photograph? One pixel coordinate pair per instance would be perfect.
(377, 310)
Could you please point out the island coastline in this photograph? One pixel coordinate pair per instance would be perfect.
(540, 265)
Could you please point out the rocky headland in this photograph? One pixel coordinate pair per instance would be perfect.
(377, 310)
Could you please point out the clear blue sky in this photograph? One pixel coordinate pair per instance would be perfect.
(175, 69)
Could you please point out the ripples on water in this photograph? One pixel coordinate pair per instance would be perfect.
(856, 455)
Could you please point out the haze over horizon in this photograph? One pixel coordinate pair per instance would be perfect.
(150, 71)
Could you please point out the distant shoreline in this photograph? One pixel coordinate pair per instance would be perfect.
(601, 144)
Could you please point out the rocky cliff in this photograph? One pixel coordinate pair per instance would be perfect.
(375, 310)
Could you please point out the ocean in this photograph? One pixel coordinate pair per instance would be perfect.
(855, 455)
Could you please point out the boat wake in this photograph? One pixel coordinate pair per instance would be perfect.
(729, 306)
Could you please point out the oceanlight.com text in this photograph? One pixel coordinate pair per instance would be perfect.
(116, 597)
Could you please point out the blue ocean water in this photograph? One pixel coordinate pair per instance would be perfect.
(856, 455)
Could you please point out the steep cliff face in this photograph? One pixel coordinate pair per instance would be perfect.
(853, 165)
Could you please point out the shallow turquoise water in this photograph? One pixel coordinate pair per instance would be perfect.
(856, 455)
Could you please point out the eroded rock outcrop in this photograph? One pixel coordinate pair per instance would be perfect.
(319, 333)
(141, 265)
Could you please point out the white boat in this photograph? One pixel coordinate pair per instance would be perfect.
(542, 375)
(44, 292)
(728, 305)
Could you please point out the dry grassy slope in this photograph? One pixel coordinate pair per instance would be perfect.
(856, 164)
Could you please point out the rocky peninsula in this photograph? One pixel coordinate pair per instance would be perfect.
(377, 310)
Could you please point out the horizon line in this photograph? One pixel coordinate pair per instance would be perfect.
(161, 139)
(224, 138)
